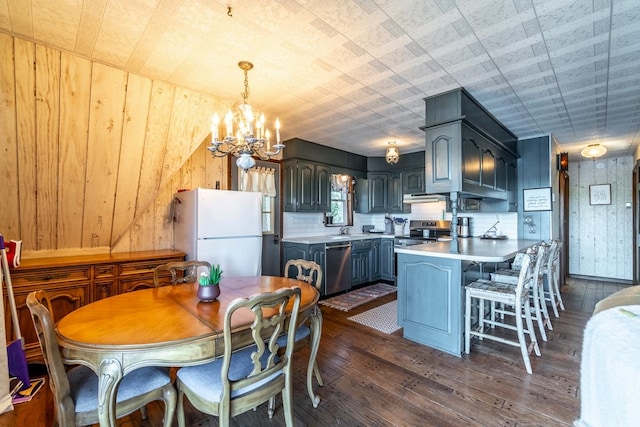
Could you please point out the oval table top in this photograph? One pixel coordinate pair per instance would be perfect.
(165, 315)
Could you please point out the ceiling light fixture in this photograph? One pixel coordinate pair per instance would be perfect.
(392, 155)
(245, 143)
(593, 150)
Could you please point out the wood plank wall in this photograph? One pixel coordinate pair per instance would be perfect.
(600, 236)
(92, 155)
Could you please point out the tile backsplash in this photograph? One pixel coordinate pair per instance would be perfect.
(310, 224)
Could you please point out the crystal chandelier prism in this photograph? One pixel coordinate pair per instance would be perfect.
(251, 138)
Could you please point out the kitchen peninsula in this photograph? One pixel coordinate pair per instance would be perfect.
(431, 281)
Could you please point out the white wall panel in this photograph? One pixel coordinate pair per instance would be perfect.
(600, 241)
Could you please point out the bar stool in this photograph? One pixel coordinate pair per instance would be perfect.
(552, 273)
(539, 307)
(551, 294)
(503, 293)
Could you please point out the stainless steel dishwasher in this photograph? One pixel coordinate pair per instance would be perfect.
(337, 270)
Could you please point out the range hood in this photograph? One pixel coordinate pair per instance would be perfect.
(423, 198)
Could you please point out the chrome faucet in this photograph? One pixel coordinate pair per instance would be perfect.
(344, 230)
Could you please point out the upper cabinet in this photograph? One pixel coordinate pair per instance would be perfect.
(468, 150)
(307, 186)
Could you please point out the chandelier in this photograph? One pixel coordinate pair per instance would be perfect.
(251, 137)
(393, 154)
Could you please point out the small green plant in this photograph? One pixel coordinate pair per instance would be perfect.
(215, 275)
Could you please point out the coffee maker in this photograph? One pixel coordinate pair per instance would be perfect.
(464, 226)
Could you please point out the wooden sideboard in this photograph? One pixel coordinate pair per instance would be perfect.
(73, 281)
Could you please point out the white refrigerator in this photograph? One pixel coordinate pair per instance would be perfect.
(220, 227)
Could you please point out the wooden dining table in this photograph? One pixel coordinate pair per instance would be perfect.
(166, 326)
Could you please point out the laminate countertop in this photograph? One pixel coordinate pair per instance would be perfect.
(471, 249)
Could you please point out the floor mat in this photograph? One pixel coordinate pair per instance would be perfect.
(346, 302)
(383, 318)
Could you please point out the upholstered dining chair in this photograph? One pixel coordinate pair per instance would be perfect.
(181, 271)
(75, 392)
(310, 272)
(242, 380)
(515, 296)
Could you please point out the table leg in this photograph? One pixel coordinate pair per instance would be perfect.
(109, 376)
(316, 331)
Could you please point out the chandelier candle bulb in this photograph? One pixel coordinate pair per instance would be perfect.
(277, 131)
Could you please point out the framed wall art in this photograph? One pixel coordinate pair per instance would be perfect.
(537, 199)
(600, 194)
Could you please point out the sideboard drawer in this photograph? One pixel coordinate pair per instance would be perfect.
(50, 276)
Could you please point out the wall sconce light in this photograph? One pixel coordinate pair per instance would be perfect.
(593, 151)
(563, 162)
(392, 155)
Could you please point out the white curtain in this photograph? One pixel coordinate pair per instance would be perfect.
(258, 179)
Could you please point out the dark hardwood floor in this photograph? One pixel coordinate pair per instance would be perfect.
(375, 379)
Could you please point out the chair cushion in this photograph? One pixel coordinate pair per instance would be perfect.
(302, 332)
(84, 385)
(205, 380)
(492, 287)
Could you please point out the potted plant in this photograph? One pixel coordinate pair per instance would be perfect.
(208, 288)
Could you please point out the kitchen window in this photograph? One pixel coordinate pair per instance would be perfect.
(341, 201)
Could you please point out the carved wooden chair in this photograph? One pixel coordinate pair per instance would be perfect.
(75, 392)
(181, 271)
(310, 272)
(242, 380)
(503, 293)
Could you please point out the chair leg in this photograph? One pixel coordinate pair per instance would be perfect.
(538, 312)
(170, 396)
(522, 338)
(316, 329)
(287, 405)
(180, 408)
(467, 323)
(556, 287)
(271, 408)
(543, 306)
(532, 332)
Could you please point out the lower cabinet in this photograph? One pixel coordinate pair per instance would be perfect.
(387, 260)
(360, 261)
(371, 259)
(307, 252)
(374, 273)
(73, 281)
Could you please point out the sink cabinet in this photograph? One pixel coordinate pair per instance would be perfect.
(313, 253)
(360, 261)
(306, 186)
(371, 259)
